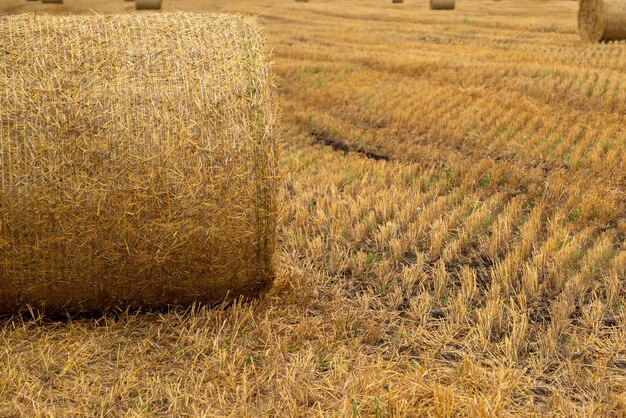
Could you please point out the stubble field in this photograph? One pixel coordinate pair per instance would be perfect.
(452, 239)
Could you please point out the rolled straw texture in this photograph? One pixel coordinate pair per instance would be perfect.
(602, 20)
(148, 4)
(442, 4)
(137, 161)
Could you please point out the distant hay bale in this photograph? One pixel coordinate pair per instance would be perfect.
(442, 4)
(137, 161)
(602, 20)
(148, 4)
(397, 1)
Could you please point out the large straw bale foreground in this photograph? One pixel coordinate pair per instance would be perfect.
(137, 161)
(602, 20)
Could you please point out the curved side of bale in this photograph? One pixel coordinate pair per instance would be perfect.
(148, 4)
(602, 20)
(441, 4)
(132, 177)
(616, 22)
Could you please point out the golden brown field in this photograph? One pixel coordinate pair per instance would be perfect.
(453, 238)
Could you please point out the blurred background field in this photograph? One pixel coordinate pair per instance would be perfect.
(452, 239)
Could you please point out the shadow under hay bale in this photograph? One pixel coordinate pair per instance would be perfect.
(441, 4)
(129, 177)
(52, 1)
(148, 4)
(602, 20)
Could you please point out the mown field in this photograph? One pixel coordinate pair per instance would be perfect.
(453, 237)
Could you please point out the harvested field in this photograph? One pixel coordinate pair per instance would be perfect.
(453, 237)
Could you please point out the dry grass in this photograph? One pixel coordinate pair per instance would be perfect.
(476, 266)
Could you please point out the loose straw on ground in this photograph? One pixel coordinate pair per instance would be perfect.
(137, 161)
(602, 20)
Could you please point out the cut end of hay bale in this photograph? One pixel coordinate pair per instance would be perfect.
(132, 178)
(602, 20)
(592, 20)
(441, 4)
(148, 4)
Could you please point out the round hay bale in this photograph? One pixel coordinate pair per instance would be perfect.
(441, 4)
(137, 161)
(148, 4)
(602, 20)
